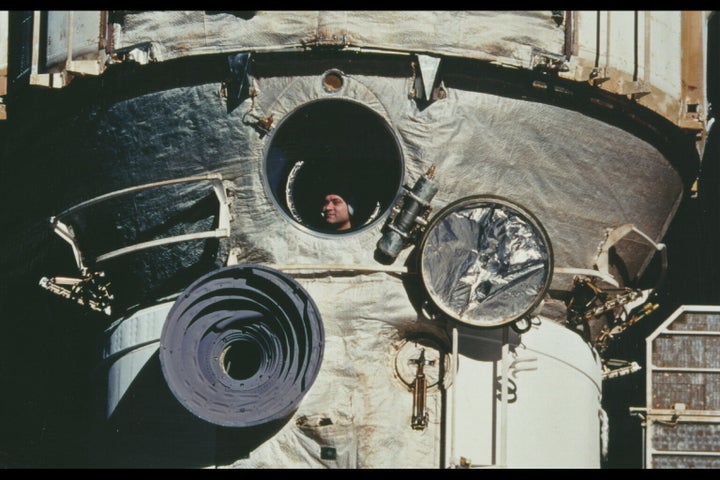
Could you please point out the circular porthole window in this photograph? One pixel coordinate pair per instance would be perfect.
(333, 166)
(333, 81)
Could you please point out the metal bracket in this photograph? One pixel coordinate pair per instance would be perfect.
(548, 62)
(425, 76)
(634, 89)
(141, 53)
(679, 413)
(91, 290)
(614, 235)
(419, 387)
(614, 368)
(238, 87)
(522, 364)
(597, 76)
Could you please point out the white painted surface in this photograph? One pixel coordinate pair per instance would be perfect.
(130, 343)
(84, 28)
(552, 418)
(659, 53)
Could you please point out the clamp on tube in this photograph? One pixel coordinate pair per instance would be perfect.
(409, 216)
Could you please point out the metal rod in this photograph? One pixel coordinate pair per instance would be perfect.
(689, 333)
(686, 369)
(686, 452)
(220, 233)
(505, 394)
(92, 201)
(453, 398)
(69, 58)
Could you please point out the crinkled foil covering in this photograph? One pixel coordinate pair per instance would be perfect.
(485, 265)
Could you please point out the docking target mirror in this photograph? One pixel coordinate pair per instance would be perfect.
(486, 261)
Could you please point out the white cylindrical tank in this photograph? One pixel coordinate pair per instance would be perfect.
(550, 417)
(129, 344)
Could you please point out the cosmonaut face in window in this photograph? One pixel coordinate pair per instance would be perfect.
(336, 212)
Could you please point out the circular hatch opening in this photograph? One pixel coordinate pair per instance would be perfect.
(333, 147)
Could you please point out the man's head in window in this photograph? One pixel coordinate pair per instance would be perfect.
(337, 211)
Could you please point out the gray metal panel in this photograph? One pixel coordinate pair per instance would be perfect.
(696, 390)
(683, 461)
(697, 321)
(684, 390)
(699, 437)
(697, 351)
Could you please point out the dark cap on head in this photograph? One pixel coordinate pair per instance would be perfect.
(342, 190)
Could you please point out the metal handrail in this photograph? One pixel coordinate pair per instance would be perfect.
(223, 229)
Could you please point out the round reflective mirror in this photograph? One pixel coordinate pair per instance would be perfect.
(485, 261)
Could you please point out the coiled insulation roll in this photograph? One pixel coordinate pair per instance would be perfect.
(242, 345)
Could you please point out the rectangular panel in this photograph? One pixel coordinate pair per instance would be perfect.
(698, 437)
(689, 436)
(684, 461)
(697, 391)
(683, 351)
(620, 44)
(697, 321)
(77, 32)
(664, 49)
